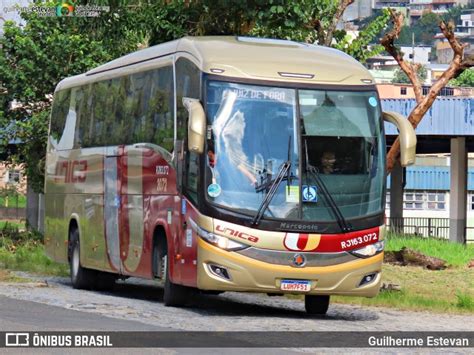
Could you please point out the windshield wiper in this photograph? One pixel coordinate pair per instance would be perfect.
(272, 189)
(341, 221)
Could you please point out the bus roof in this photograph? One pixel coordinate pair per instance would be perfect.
(243, 58)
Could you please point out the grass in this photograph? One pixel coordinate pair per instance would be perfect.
(12, 201)
(450, 290)
(24, 251)
(456, 255)
(446, 291)
(14, 223)
(30, 258)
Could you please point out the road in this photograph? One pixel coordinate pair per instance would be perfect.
(140, 302)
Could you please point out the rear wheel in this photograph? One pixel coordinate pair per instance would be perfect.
(175, 295)
(81, 278)
(316, 304)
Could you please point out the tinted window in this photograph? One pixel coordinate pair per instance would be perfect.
(100, 113)
(151, 103)
(188, 84)
(137, 108)
(59, 113)
(82, 111)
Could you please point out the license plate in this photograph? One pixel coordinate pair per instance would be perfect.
(295, 285)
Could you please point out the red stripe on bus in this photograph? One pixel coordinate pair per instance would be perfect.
(302, 241)
(348, 241)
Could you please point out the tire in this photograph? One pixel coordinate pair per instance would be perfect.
(81, 278)
(159, 261)
(175, 295)
(316, 305)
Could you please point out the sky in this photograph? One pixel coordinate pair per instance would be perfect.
(6, 14)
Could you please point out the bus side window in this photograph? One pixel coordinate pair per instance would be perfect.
(154, 118)
(100, 112)
(83, 119)
(121, 130)
(59, 114)
(118, 123)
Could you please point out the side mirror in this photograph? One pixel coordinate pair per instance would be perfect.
(407, 137)
(196, 125)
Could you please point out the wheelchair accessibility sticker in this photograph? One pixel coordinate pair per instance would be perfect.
(310, 193)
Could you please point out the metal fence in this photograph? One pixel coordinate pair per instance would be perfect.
(424, 226)
(12, 213)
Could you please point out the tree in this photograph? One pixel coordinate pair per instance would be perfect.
(311, 21)
(426, 28)
(401, 78)
(465, 79)
(456, 67)
(33, 59)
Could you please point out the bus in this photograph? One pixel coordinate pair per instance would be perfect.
(214, 164)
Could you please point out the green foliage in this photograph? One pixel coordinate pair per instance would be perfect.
(454, 254)
(11, 236)
(424, 31)
(297, 21)
(466, 78)
(11, 198)
(23, 250)
(428, 25)
(401, 78)
(465, 301)
(35, 57)
(359, 47)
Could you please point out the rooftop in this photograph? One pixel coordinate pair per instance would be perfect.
(244, 57)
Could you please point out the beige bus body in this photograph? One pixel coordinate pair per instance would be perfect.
(75, 191)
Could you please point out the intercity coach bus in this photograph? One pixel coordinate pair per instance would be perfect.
(222, 164)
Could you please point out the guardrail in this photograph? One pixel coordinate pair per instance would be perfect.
(424, 226)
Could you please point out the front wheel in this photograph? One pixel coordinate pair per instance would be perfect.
(81, 278)
(175, 295)
(317, 305)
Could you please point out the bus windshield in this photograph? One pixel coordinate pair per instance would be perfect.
(254, 130)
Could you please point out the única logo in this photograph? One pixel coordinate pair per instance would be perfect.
(65, 8)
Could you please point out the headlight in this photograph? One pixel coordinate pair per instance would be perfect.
(369, 250)
(217, 240)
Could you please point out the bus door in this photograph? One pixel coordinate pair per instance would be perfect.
(132, 212)
(112, 204)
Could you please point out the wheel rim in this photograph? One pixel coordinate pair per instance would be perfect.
(75, 262)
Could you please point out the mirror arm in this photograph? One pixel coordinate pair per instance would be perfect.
(407, 137)
(196, 125)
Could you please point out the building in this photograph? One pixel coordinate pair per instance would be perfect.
(405, 91)
(418, 54)
(464, 32)
(12, 178)
(437, 187)
(427, 195)
(359, 9)
(381, 4)
(420, 7)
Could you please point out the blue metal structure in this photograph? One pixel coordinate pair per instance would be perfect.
(431, 178)
(447, 117)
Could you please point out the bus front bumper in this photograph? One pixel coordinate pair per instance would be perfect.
(247, 274)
